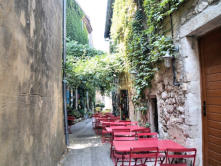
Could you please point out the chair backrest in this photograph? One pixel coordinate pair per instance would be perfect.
(124, 121)
(120, 130)
(124, 138)
(147, 135)
(111, 120)
(105, 125)
(118, 124)
(144, 153)
(133, 123)
(185, 153)
(142, 130)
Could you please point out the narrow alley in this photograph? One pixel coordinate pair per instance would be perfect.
(86, 148)
(110, 83)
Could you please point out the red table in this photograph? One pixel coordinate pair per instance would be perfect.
(124, 146)
(109, 129)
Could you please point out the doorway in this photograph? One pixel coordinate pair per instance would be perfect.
(124, 104)
(154, 115)
(210, 54)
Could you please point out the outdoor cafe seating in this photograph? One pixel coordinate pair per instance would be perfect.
(133, 145)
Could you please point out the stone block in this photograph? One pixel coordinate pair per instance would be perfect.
(164, 95)
(201, 6)
(180, 109)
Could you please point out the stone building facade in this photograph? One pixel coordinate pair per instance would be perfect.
(31, 116)
(179, 108)
(178, 112)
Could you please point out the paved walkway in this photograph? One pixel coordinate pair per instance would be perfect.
(86, 148)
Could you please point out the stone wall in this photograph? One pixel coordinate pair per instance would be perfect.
(179, 108)
(31, 118)
(171, 100)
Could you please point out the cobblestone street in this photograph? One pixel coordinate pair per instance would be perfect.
(86, 148)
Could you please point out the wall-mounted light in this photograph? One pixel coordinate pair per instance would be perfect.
(167, 60)
(133, 74)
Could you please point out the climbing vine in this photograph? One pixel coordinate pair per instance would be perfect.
(76, 30)
(145, 40)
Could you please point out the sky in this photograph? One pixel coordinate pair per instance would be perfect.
(96, 12)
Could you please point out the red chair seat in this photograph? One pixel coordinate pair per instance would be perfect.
(144, 154)
(173, 164)
(185, 153)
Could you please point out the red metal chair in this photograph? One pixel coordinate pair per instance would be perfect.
(151, 136)
(144, 130)
(146, 135)
(118, 124)
(142, 155)
(133, 124)
(124, 121)
(116, 130)
(172, 156)
(121, 157)
(105, 135)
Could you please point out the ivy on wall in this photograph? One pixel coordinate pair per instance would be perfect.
(145, 40)
(123, 12)
(75, 27)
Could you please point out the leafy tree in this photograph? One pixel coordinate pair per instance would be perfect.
(88, 69)
(77, 49)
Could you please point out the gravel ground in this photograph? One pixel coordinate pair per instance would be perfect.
(86, 148)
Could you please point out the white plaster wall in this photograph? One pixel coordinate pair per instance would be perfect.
(108, 102)
(193, 119)
(106, 99)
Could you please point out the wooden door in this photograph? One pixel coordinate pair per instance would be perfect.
(210, 50)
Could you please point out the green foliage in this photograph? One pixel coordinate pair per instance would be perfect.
(81, 111)
(145, 52)
(102, 105)
(89, 69)
(156, 11)
(122, 15)
(94, 72)
(76, 49)
(77, 114)
(145, 40)
(141, 37)
(75, 27)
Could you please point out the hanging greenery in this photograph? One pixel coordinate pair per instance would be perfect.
(98, 72)
(145, 40)
(138, 33)
(122, 16)
(90, 68)
(76, 49)
(75, 27)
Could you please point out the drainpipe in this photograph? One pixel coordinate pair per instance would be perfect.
(175, 82)
(76, 98)
(64, 75)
